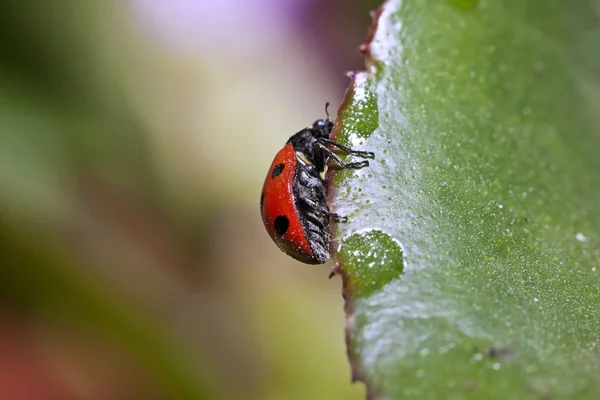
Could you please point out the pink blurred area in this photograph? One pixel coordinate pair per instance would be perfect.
(203, 24)
(136, 139)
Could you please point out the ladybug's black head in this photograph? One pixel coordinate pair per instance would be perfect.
(322, 128)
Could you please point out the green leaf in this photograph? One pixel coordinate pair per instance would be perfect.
(472, 251)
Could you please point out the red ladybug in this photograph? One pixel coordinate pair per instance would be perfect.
(293, 201)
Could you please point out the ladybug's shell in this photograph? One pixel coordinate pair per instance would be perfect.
(281, 200)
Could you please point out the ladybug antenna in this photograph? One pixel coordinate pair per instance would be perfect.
(327, 109)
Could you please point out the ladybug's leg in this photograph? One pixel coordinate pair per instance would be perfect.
(337, 217)
(365, 154)
(338, 161)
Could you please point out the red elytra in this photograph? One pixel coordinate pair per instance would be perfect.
(278, 200)
(293, 199)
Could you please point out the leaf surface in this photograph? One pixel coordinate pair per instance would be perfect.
(471, 254)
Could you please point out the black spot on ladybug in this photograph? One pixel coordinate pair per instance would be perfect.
(262, 199)
(282, 224)
(277, 170)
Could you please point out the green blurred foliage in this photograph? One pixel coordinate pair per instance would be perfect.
(134, 260)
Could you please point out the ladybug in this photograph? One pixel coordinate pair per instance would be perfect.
(293, 199)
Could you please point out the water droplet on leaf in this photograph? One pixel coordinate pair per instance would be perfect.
(372, 259)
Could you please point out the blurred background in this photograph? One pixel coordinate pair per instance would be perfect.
(134, 139)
